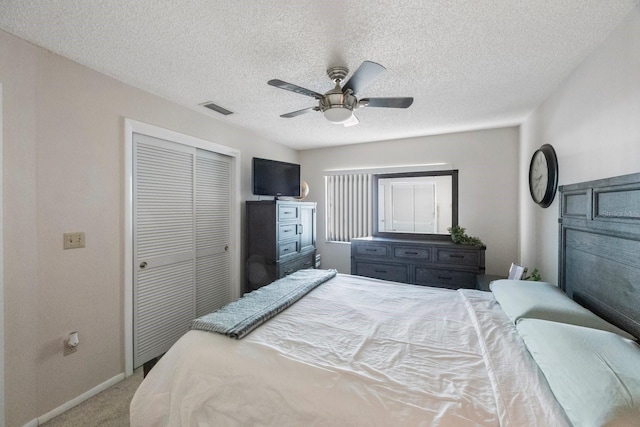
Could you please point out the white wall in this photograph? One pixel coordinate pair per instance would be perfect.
(593, 122)
(63, 170)
(2, 347)
(488, 185)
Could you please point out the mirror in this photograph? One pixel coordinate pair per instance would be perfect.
(416, 205)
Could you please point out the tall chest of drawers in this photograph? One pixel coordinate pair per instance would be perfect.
(440, 264)
(281, 239)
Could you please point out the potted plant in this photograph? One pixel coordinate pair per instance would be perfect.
(535, 276)
(459, 236)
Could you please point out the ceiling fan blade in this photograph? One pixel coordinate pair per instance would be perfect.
(365, 74)
(352, 121)
(294, 88)
(387, 102)
(297, 113)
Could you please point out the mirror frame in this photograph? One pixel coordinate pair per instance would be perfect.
(417, 236)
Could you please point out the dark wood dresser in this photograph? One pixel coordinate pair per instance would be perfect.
(281, 239)
(442, 264)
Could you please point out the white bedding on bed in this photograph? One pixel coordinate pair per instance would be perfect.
(356, 351)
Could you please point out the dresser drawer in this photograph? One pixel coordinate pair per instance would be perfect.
(395, 273)
(444, 278)
(458, 257)
(372, 250)
(287, 231)
(287, 248)
(423, 254)
(303, 262)
(287, 212)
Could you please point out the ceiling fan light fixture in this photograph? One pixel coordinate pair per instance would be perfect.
(337, 106)
(337, 115)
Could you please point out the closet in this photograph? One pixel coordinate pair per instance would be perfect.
(181, 238)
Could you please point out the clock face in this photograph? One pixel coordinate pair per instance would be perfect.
(543, 175)
(539, 176)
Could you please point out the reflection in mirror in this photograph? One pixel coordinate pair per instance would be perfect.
(416, 204)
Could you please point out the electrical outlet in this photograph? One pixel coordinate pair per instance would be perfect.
(71, 343)
(74, 240)
(69, 350)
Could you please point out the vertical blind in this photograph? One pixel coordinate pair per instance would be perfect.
(349, 206)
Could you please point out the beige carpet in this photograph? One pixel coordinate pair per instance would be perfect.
(109, 408)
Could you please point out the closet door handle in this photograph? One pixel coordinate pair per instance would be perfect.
(143, 265)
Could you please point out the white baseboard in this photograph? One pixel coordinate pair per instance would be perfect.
(73, 402)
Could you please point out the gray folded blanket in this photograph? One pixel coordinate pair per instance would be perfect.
(240, 317)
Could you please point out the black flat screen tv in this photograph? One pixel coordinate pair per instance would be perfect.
(274, 178)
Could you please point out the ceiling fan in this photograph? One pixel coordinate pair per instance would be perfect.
(339, 103)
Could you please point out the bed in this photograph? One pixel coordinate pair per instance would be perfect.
(360, 351)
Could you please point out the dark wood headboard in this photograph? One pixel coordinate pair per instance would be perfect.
(599, 264)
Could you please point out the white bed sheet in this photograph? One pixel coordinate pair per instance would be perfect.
(356, 351)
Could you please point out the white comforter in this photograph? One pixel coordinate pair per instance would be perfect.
(356, 352)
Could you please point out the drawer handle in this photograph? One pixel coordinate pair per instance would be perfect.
(445, 278)
(380, 271)
(411, 253)
(371, 250)
(285, 250)
(286, 231)
(456, 256)
(288, 272)
(307, 263)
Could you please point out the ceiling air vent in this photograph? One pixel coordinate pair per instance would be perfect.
(217, 108)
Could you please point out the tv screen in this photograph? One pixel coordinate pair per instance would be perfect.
(274, 178)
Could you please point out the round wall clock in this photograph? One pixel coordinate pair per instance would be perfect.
(543, 175)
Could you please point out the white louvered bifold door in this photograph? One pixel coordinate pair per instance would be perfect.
(213, 230)
(163, 245)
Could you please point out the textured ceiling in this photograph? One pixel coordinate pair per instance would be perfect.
(468, 64)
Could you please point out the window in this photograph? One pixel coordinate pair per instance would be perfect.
(349, 202)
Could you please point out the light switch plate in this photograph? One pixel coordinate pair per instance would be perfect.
(74, 240)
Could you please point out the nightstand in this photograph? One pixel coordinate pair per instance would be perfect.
(483, 281)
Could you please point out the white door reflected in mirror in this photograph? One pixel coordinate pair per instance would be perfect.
(416, 205)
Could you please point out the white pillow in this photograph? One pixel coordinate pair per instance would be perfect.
(521, 299)
(594, 374)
